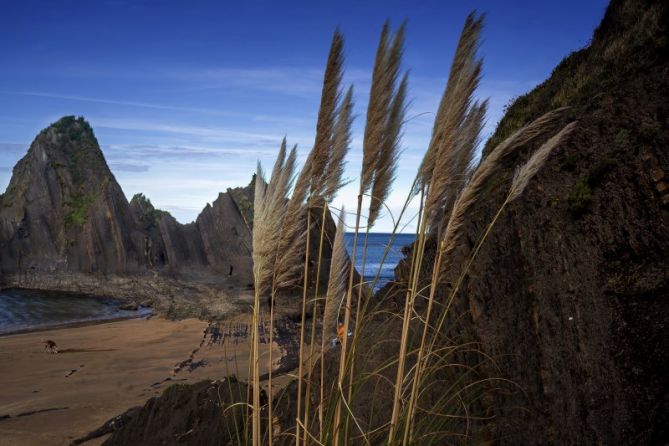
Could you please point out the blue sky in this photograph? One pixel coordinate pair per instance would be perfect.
(184, 97)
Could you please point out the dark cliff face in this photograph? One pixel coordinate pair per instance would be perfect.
(570, 292)
(64, 212)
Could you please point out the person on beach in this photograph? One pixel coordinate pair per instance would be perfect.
(340, 332)
(50, 347)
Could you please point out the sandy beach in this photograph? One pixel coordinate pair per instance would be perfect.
(104, 369)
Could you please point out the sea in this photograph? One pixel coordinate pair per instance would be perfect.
(22, 309)
(377, 245)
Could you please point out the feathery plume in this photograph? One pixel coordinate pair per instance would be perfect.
(291, 242)
(487, 168)
(386, 165)
(458, 104)
(468, 137)
(259, 193)
(340, 146)
(379, 98)
(339, 270)
(314, 180)
(259, 240)
(270, 209)
(525, 173)
(278, 165)
(327, 116)
(461, 69)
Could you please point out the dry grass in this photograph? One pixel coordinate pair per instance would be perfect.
(525, 173)
(488, 167)
(376, 112)
(449, 188)
(339, 269)
(466, 143)
(380, 145)
(444, 153)
(340, 146)
(464, 54)
(327, 116)
(386, 167)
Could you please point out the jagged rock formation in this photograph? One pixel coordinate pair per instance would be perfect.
(63, 209)
(66, 224)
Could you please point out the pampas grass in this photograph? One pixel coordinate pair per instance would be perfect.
(291, 242)
(379, 98)
(324, 168)
(437, 172)
(386, 166)
(467, 141)
(340, 146)
(449, 190)
(457, 100)
(528, 170)
(462, 61)
(327, 115)
(487, 167)
(270, 209)
(339, 270)
(379, 160)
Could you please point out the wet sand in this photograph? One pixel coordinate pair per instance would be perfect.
(104, 369)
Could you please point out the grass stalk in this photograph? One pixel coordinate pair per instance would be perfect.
(300, 370)
(358, 321)
(313, 325)
(416, 263)
(419, 360)
(347, 319)
(256, 370)
(270, 366)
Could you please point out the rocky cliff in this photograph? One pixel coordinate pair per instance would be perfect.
(570, 292)
(66, 224)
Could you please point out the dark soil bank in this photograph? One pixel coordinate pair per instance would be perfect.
(198, 414)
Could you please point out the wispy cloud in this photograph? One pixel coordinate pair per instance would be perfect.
(151, 153)
(201, 134)
(128, 167)
(283, 80)
(123, 102)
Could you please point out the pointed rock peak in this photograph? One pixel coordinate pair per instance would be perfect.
(144, 210)
(72, 126)
(69, 147)
(71, 143)
(142, 202)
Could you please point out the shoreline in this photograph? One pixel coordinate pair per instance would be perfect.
(75, 324)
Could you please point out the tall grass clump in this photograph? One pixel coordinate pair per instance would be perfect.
(448, 187)
(281, 231)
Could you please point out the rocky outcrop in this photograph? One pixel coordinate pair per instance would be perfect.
(205, 413)
(570, 292)
(64, 211)
(66, 224)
